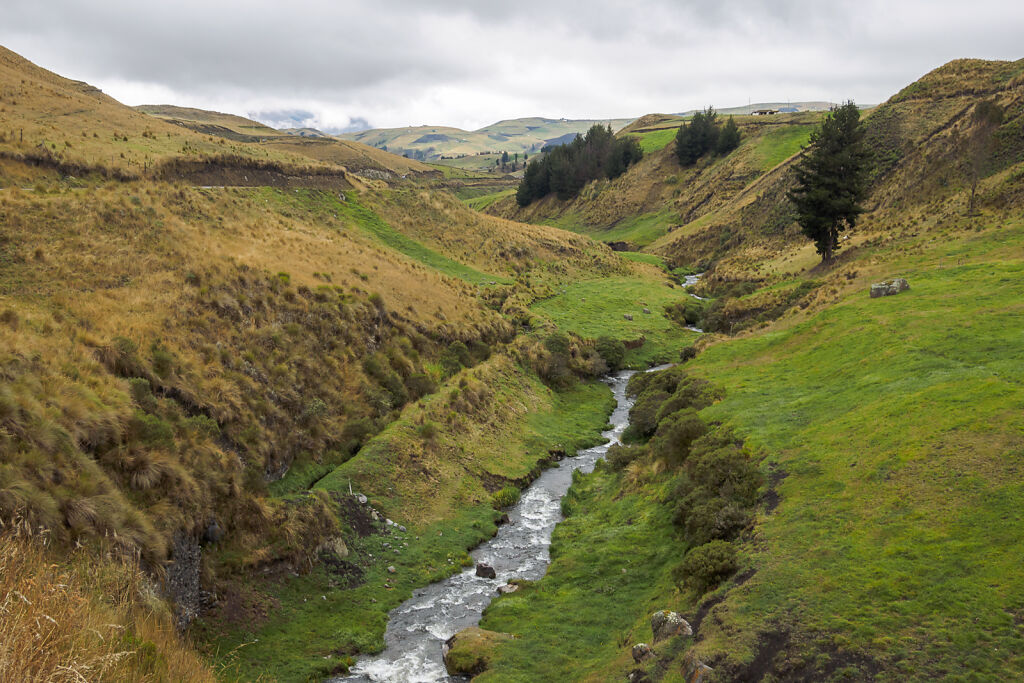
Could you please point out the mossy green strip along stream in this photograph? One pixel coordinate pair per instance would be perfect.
(291, 626)
(610, 566)
(596, 308)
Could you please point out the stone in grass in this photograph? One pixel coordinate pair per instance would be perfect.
(468, 652)
(889, 287)
(508, 588)
(627, 316)
(695, 670)
(486, 571)
(334, 546)
(642, 652)
(665, 624)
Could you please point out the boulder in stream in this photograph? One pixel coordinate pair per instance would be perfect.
(468, 652)
(486, 571)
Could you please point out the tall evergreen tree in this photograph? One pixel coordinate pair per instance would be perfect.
(567, 168)
(831, 179)
(728, 137)
(985, 120)
(697, 138)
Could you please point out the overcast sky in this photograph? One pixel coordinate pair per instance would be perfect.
(468, 63)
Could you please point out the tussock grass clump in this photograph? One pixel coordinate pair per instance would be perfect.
(505, 497)
(84, 619)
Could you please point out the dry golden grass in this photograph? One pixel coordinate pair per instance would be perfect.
(355, 156)
(84, 619)
(257, 308)
(491, 243)
(43, 115)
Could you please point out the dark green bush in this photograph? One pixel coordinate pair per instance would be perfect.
(612, 351)
(691, 392)
(718, 491)
(151, 430)
(663, 380)
(479, 351)
(671, 442)
(715, 519)
(142, 394)
(619, 456)
(557, 342)
(643, 416)
(357, 432)
(205, 426)
(728, 472)
(554, 368)
(706, 566)
(420, 384)
(454, 358)
(688, 312)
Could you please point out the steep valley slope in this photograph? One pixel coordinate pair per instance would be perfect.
(196, 329)
(215, 341)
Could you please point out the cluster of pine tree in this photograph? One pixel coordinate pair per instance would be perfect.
(705, 134)
(567, 168)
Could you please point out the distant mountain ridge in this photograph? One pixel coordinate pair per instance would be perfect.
(522, 136)
(784, 107)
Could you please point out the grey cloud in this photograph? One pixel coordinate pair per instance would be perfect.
(468, 63)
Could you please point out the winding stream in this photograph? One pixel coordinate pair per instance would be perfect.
(692, 280)
(418, 627)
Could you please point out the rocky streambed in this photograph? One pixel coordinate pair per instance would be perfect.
(418, 628)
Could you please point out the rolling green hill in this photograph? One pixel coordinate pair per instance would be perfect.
(476, 149)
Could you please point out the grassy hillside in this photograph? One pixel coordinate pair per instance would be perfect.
(656, 198)
(358, 158)
(888, 434)
(197, 331)
(211, 122)
(921, 147)
(56, 122)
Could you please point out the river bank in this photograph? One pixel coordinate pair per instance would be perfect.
(520, 550)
